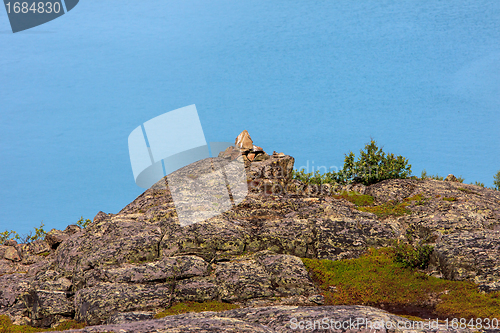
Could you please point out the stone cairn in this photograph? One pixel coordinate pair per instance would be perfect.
(244, 147)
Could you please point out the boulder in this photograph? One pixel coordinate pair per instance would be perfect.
(3, 248)
(101, 216)
(11, 254)
(126, 317)
(12, 288)
(261, 157)
(10, 242)
(72, 229)
(55, 237)
(168, 268)
(243, 141)
(451, 178)
(44, 306)
(38, 246)
(95, 305)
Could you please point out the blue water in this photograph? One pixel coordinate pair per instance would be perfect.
(312, 79)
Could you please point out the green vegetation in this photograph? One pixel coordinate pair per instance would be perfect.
(8, 235)
(418, 198)
(356, 198)
(496, 181)
(83, 223)
(390, 208)
(39, 233)
(373, 165)
(450, 198)
(365, 202)
(6, 326)
(377, 278)
(195, 307)
(314, 178)
(25, 239)
(412, 257)
(424, 175)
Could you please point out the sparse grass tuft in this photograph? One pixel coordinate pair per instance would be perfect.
(450, 199)
(195, 307)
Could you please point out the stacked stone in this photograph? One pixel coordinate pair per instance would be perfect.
(244, 147)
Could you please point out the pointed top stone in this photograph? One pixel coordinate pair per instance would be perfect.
(244, 141)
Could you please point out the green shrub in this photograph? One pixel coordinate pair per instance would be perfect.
(83, 223)
(7, 235)
(372, 166)
(412, 257)
(27, 238)
(39, 234)
(497, 181)
(313, 178)
(478, 184)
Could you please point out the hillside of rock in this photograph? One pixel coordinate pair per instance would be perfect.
(142, 260)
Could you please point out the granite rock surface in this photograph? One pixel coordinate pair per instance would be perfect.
(134, 263)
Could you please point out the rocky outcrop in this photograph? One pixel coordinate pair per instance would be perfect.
(278, 319)
(244, 147)
(129, 265)
(55, 237)
(462, 222)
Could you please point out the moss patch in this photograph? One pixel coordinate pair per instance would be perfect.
(195, 307)
(6, 326)
(356, 198)
(419, 199)
(376, 279)
(390, 208)
(364, 203)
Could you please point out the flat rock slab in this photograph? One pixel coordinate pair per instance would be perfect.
(275, 319)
